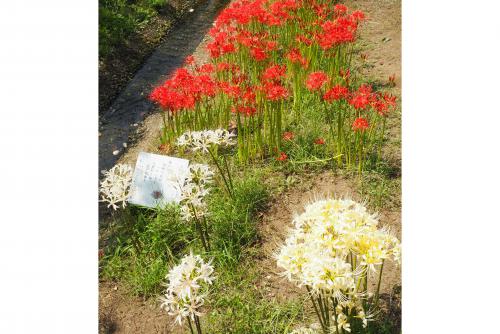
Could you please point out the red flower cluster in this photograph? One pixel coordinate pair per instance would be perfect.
(364, 98)
(335, 93)
(274, 73)
(183, 90)
(244, 110)
(282, 156)
(221, 45)
(258, 54)
(340, 30)
(316, 80)
(275, 91)
(288, 136)
(360, 124)
(295, 57)
(319, 141)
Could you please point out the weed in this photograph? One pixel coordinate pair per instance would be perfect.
(233, 221)
(238, 306)
(142, 247)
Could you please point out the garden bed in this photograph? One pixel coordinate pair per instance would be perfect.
(252, 297)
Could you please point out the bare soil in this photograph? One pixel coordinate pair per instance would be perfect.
(380, 42)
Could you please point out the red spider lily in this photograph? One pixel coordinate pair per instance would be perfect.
(360, 124)
(345, 74)
(392, 79)
(281, 8)
(213, 50)
(233, 91)
(208, 87)
(244, 110)
(258, 54)
(303, 39)
(249, 95)
(239, 78)
(341, 30)
(315, 80)
(171, 100)
(274, 73)
(271, 45)
(383, 102)
(189, 60)
(389, 99)
(228, 48)
(223, 66)
(275, 91)
(295, 57)
(358, 15)
(319, 141)
(282, 156)
(340, 9)
(335, 93)
(362, 97)
(288, 136)
(182, 90)
(206, 68)
(380, 106)
(321, 10)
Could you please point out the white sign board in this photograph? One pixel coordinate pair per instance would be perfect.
(156, 180)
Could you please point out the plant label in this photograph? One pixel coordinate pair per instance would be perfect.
(157, 179)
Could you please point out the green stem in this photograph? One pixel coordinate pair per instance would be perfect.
(198, 325)
(316, 309)
(228, 174)
(377, 293)
(206, 232)
(221, 173)
(200, 230)
(336, 317)
(190, 326)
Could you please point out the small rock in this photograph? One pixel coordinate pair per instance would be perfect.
(124, 145)
(268, 276)
(135, 124)
(191, 10)
(115, 152)
(115, 288)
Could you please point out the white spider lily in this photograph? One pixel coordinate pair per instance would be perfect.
(186, 289)
(204, 140)
(334, 246)
(115, 186)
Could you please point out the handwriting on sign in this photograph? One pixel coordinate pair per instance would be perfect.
(156, 180)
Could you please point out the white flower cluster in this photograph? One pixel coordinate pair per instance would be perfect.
(203, 140)
(328, 239)
(115, 186)
(194, 190)
(187, 287)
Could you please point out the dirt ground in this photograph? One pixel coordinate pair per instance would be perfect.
(380, 42)
(117, 68)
